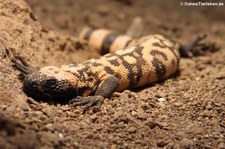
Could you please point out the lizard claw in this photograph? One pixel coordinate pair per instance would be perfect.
(90, 101)
(19, 63)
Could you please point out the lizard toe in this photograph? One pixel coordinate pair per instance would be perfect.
(90, 101)
(95, 102)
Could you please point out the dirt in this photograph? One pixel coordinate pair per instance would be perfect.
(184, 111)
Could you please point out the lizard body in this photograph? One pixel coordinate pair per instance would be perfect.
(137, 63)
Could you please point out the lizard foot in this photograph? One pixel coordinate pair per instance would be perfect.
(195, 48)
(19, 63)
(90, 101)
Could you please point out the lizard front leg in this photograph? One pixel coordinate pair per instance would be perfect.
(105, 90)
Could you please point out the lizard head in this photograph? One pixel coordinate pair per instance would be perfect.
(48, 83)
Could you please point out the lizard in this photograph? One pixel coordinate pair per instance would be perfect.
(126, 63)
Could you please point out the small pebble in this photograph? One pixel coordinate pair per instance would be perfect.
(61, 135)
(151, 123)
(161, 99)
(141, 114)
(206, 113)
(132, 129)
(221, 146)
(186, 143)
(162, 143)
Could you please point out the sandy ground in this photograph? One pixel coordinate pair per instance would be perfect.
(45, 33)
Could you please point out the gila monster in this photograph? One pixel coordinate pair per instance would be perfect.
(131, 64)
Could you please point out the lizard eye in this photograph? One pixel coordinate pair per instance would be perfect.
(51, 81)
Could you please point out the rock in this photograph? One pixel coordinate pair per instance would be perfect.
(48, 127)
(114, 146)
(186, 143)
(70, 114)
(151, 123)
(120, 116)
(132, 129)
(161, 99)
(176, 146)
(152, 104)
(39, 115)
(93, 118)
(103, 10)
(120, 125)
(198, 130)
(83, 125)
(178, 104)
(220, 75)
(161, 143)
(49, 138)
(213, 122)
(141, 114)
(61, 135)
(209, 106)
(145, 106)
(206, 113)
(221, 146)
